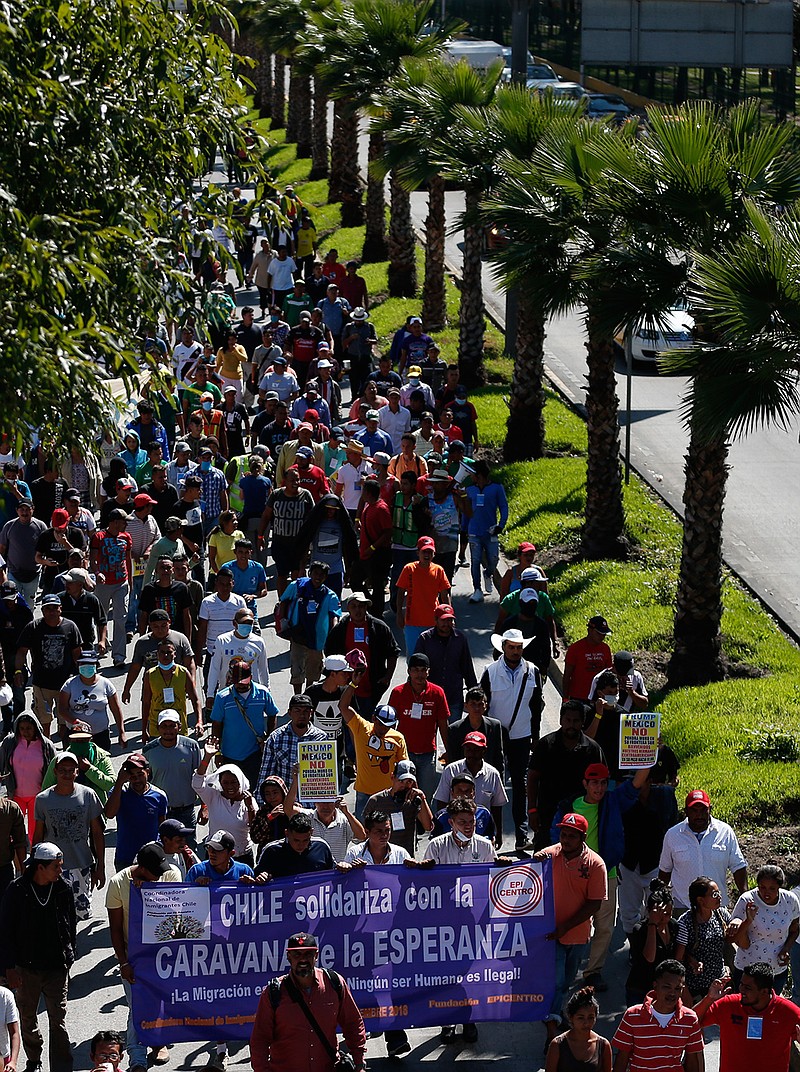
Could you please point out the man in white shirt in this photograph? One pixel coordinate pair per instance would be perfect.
(489, 790)
(215, 617)
(462, 846)
(394, 419)
(513, 688)
(350, 476)
(240, 643)
(281, 276)
(701, 845)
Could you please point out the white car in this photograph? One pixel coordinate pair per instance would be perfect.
(536, 72)
(676, 332)
(560, 90)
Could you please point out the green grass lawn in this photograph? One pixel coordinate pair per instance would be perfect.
(708, 727)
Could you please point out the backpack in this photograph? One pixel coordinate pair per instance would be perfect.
(275, 993)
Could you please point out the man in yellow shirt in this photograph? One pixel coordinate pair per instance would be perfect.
(379, 745)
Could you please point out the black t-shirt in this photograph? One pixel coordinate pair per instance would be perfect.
(234, 423)
(289, 512)
(383, 383)
(51, 650)
(537, 639)
(47, 496)
(48, 547)
(86, 613)
(192, 513)
(327, 716)
(274, 437)
(165, 500)
(112, 504)
(249, 338)
(560, 770)
(640, 976)
(12, 621)
(317, 288)
(174, 600)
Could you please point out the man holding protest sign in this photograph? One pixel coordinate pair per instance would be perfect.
(297, 1017)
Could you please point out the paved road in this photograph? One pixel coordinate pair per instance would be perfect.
(762, 512)
(96, 999)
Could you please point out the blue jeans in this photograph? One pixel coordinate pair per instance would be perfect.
(427, 773)
(412, 634)
(361, 803)
(794, 961)
(137, 1051)
(131, 623)
(28, 589)
(478, 547)
(568, 960)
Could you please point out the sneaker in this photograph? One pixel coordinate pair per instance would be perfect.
(596, 980)
(477, 596)
(487, 582)
(220, 1061)
(448, 1034)
(470, 1033)
(159, 1055)
(400, 1050)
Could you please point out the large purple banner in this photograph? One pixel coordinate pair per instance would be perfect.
(417, 948)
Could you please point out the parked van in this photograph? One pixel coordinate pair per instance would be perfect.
(478, 54)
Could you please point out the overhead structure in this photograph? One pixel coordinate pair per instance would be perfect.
(687, 33)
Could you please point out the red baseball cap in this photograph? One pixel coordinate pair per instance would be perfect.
(444, 610)
(425, 543)
(475, 738)
(698, 796)
(523, 547)
(143, 499)
(60, 519)
(573, 821)
(596, 770)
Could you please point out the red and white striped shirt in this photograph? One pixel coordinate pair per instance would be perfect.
(653, 1048)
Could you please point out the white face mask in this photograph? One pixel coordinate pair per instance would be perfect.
(461, 837)
(610, 699)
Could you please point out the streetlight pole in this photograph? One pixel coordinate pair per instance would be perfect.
(520, 11)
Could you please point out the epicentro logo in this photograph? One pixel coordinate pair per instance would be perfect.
(516, 891)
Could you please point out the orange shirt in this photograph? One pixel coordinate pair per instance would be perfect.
(401, 464)
(587, 659)
(574, 883)
(422, 585)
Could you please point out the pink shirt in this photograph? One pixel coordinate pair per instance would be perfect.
(27, 762)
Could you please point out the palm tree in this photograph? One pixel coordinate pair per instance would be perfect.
(365, 44)
(559, 224)
(514, 123)
(282, 26)
(691, 201)
(420, 112)
(319, 133)
(749, 297)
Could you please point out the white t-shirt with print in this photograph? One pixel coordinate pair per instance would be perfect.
(8, 1015)
(769, 928)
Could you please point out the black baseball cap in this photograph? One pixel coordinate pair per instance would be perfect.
(153, 858)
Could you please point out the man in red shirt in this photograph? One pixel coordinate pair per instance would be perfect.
(375, 544)
(662, 1034)
(111, 561)
(421, 587)
(354, 287)
(757, 1027)
(311, 476)
(282, 1039)
(421, 710)
(586, 658)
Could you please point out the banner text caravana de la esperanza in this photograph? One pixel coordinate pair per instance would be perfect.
(421, 948)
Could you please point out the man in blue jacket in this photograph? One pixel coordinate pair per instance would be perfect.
(603, 810)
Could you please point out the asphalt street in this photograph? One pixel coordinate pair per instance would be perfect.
(762, 511)
(96, 997)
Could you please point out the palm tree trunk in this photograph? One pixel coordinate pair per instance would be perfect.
(344, 183)
(260, 75)
(319, 133)
(303, 116)
(279, 94)
(525, 428)
(375, 248)
(605, 514)
(472, 325)
(402, 274)
(434, 296)
(292, 110)
(698, 607)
